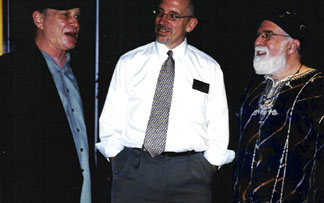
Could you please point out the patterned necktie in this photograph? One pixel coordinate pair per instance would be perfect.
(157, 127)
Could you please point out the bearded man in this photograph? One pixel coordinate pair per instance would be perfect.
(280, 155)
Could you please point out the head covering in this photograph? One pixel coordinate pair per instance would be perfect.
(290, 22)
(57, 4)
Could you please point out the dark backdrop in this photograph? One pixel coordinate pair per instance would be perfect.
(226, 31)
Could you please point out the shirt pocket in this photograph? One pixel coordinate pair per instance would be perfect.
(196, 105)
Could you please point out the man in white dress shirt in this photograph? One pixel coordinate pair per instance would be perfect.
(197, 131)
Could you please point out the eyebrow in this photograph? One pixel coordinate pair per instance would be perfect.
(173, 12)
(269, 31)
(70, 12)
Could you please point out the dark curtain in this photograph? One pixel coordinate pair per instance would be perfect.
(226, 31)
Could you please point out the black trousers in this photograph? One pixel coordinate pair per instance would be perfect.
(137, 177)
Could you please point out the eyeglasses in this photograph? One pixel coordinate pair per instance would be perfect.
(268, 34)
(170, 16)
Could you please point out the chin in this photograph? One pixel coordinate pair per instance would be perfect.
(162, 39)
(70, 46)
(269, 66)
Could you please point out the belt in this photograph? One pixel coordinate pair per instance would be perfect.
(172, 154)
(176, 154)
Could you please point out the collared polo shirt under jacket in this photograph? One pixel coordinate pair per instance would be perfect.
(68, 90)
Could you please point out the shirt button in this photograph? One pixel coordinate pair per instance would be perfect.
(78, 129)
(67, 90)
(81, 149)
(82, 170)
(72, 110)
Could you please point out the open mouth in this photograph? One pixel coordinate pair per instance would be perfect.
(260, 53)
(72, 34)
(162, 29)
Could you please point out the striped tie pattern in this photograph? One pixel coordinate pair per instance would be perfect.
(157, 127)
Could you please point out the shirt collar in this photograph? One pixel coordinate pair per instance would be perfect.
(268, 77)
(178, 51)
(48, 57)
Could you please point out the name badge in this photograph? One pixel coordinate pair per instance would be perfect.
(200, 86)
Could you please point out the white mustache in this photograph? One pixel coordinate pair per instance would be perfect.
(259, 50)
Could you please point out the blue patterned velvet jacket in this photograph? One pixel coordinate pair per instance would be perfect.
(280, 155)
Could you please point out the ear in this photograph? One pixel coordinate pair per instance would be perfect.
(293, 46)
(38, 19)
(191, 24)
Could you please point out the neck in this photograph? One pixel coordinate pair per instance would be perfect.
(57, 55)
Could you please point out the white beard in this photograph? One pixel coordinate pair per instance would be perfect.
(268, 65)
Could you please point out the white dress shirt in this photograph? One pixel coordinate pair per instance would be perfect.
(198, 121)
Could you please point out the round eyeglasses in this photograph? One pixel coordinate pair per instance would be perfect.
(170, 16)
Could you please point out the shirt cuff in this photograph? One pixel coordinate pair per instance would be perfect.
(222, 158)
(108, 151)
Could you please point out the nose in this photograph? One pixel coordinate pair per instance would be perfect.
(162, 19)
(74, 20)
(259, 41)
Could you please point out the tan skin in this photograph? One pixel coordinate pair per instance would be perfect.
(274, 43)
(57, 32)
(173, 33)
